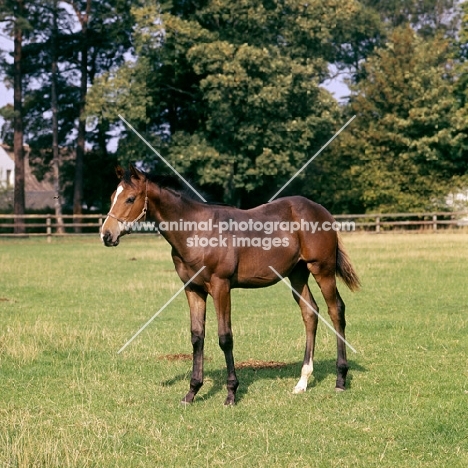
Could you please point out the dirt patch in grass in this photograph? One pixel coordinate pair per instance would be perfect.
(256, 364)
(250, 364)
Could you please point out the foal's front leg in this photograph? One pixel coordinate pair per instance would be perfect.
(197, 302)
(221, 292)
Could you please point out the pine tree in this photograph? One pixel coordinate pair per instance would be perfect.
(406, 143)
(15, 15)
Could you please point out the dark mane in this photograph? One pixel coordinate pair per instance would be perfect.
(171, 182)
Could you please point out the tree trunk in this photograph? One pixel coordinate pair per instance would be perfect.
(55, 144)
(231, 195)
(81, 138)
(18, 147)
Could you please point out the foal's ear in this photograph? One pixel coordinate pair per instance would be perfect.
(120, 172)
(136, 174)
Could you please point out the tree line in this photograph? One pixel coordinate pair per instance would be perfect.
(232, 94)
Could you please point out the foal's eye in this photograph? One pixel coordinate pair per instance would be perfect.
(130, 200)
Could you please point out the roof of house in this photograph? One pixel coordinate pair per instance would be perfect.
(31, 182)
(39, 194)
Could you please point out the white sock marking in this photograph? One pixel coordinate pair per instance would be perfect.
(306, 372)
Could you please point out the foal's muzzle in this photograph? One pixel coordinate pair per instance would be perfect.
(108, 241)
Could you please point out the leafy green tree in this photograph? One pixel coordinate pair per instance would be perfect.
(427, 17)
(407, 145)
(101, 42)
(107, 40)
(231, 90)
(15, 15)
(461, 56)
(461, 96)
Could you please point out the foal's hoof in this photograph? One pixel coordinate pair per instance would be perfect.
(299, 389)
(230, 401)
(339, 389)
(187, 400)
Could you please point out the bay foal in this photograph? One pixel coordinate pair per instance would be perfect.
(230, 263)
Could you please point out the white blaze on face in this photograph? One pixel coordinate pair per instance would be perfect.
(117, 193)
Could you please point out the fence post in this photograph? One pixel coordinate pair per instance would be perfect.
(377, 224)
(434, 222)
(49, 229)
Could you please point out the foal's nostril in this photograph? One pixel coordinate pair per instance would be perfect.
(106, 237)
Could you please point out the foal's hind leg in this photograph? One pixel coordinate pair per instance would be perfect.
(336, 310)
(298, 278)
(221, 293)
(197, 302)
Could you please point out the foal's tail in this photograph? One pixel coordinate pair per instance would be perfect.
(345, 270)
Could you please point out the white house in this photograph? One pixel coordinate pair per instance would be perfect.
(39, 194)
(459, 202)
(7, 170)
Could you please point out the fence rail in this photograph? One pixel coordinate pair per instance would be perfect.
(379, 222)
(47, 224)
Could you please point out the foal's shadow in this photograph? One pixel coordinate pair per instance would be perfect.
(248, 375)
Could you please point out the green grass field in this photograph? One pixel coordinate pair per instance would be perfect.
(68, 400)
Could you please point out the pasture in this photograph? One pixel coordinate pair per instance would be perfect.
(68, 400)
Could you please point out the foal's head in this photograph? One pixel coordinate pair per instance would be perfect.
(128, 204)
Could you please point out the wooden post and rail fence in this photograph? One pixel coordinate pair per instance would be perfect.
(88, 224)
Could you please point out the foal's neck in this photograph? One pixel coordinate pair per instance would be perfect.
(173, 206)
